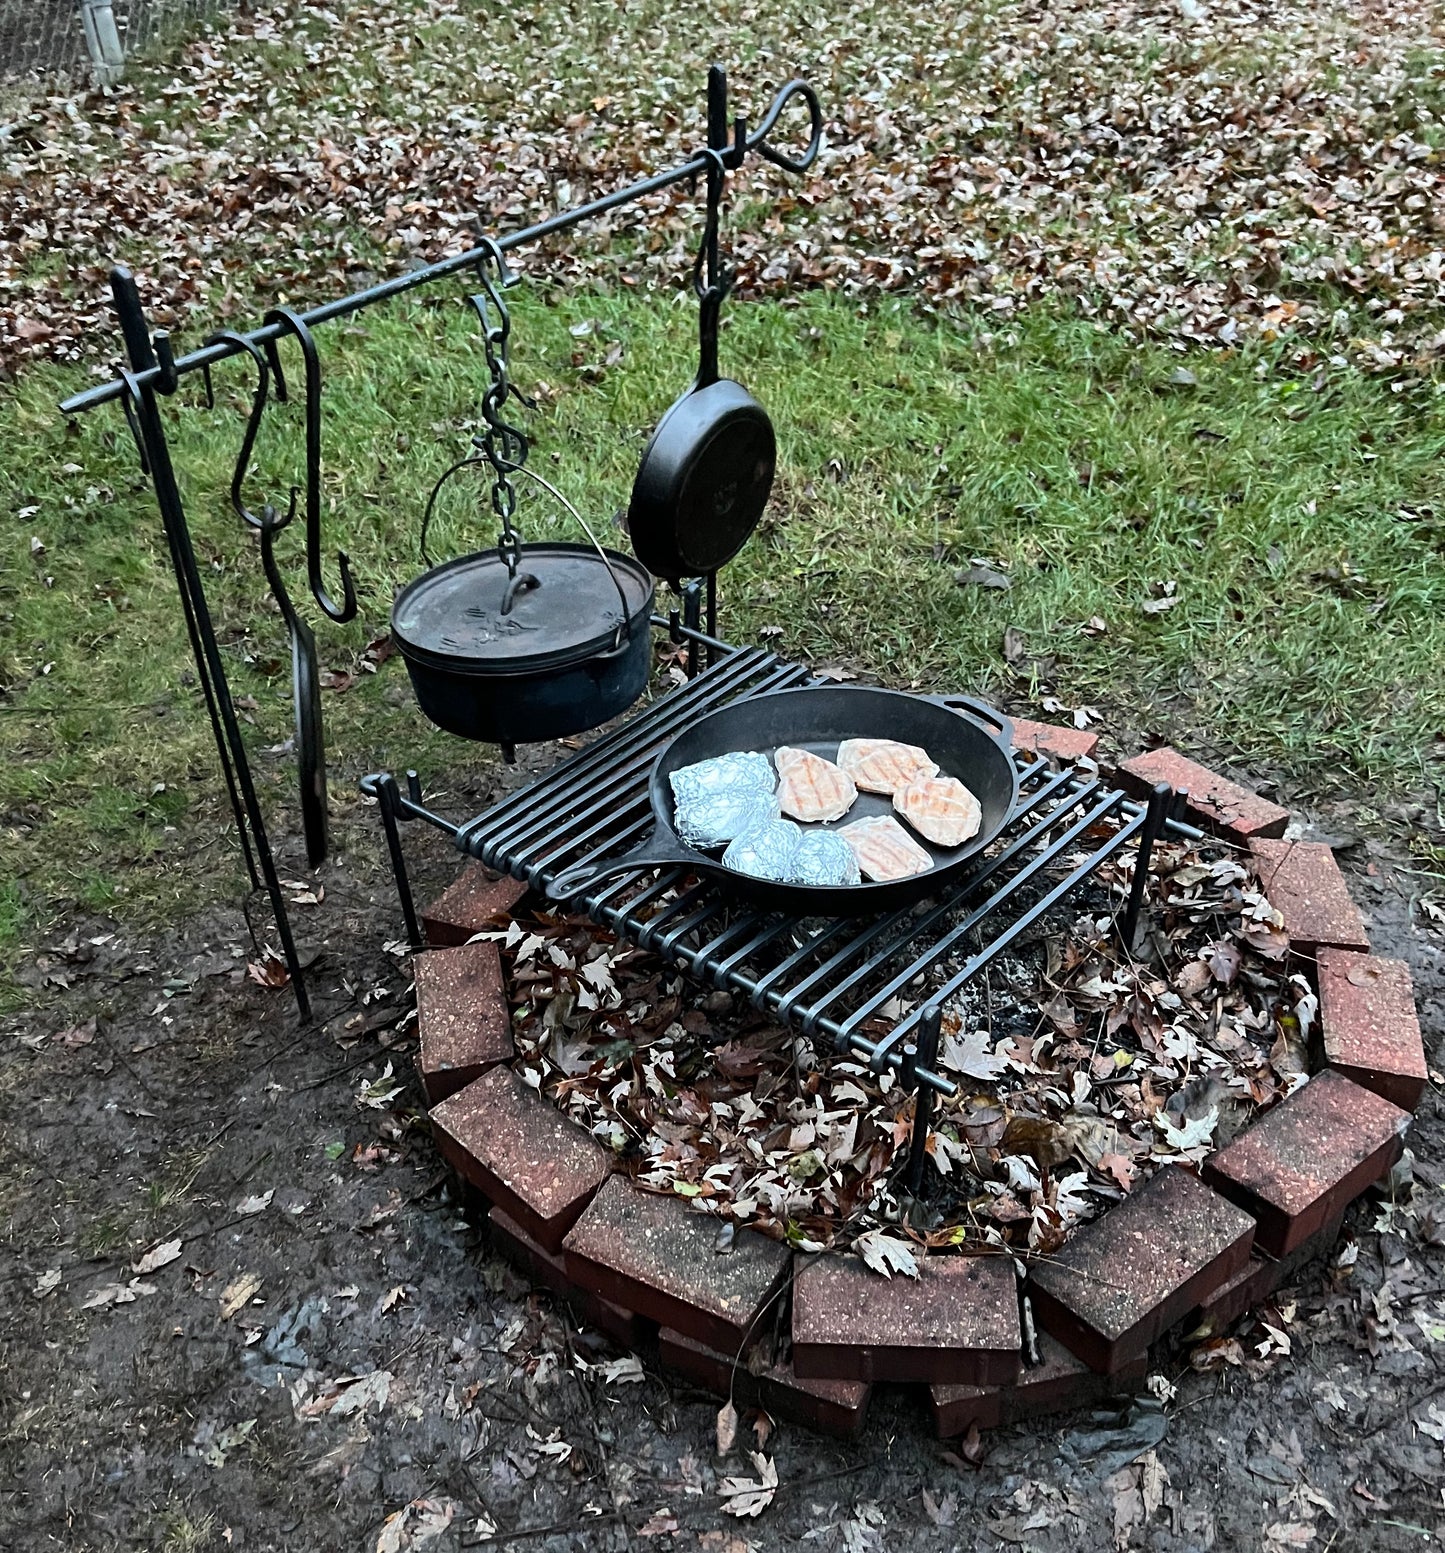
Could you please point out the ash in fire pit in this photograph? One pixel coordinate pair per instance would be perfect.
(1081, 1070)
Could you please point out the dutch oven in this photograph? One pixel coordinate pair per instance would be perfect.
(560, 648)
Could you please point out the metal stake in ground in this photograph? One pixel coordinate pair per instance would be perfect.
(922, 1053)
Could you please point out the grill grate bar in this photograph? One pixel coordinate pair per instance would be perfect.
(971, 920)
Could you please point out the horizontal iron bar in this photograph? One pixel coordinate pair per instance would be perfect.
(342, 307)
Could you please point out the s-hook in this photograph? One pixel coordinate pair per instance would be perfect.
(295, 324)
(267, 517)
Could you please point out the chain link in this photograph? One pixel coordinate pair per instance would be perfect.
(503, 445)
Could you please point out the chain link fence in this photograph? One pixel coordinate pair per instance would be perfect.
(75, 38)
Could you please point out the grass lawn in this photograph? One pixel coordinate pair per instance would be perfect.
(1238, 549)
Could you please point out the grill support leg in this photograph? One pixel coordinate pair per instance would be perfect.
(1156, 814)
(924, 1053)
(382, 786)
(692, 619)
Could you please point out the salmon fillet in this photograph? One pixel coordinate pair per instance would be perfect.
(884, 765)
(940, 809)
(884, 849)
(812, 789)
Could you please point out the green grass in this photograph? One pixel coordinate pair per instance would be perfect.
(1300, 517)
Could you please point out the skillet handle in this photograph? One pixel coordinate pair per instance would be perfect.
(988, 715)
(657, 851)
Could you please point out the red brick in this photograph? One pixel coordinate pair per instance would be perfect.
(519, 1151)
(1127, 1278)
(957, 1321)
(1371, 1031)
(478, 900)
(1305, 1161)
(549, 1271)
(836, 1407)
(1257, 1280)
(462, 1017)
(654, 1255)
(1223, 806)
(1063, 745)
(1304, 883)
(705, 1367)
(1056, 1384)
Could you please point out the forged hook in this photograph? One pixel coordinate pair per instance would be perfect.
(267, 520)
(346, 610)
(128, 401)
(492, 250)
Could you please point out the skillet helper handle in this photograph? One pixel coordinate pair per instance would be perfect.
(657, 851)
(982, 712)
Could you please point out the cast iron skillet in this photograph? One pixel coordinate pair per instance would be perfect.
(707, 472)
(818, 718)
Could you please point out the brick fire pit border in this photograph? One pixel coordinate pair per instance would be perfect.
(1183, 1251)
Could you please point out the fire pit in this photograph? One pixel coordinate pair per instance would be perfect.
(591, 1151)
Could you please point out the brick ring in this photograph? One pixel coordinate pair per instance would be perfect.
(1184, 1251)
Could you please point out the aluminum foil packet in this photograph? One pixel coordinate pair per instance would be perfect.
(743, 771)
(712, 819)
(824, 858)
(769, 851)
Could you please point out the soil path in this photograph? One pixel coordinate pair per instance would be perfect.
(334, 1344)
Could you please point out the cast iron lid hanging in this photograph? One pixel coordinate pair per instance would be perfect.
(570, 605)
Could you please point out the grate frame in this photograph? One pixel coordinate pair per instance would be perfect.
(831, 978)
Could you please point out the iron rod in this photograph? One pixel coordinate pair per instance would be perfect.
(925, 1055)
(1156, 813)
(382, 786)
(173, 518)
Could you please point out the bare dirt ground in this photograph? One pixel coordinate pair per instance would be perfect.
(333, 1358)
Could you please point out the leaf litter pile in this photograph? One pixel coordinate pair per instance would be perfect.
(1081, 1072)
(1199, 171)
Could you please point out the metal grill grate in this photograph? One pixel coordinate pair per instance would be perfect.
(835, 977)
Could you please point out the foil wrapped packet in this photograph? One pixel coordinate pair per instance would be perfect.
(744, 771)
(824, 858)
(769, 851)
(713, 819)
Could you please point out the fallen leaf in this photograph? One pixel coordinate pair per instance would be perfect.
(240, 1291)
(982, 577)
(117, 1294)
(161, 1256)
(269, 971)
(885, 1254)
(378, 1093)
(250, 1205)
(47, 1283)
(78, 1035)
(369, 1391)
(750, 1496)
(727, 1427)
(624, 1371)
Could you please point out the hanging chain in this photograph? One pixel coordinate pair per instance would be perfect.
(503, 445)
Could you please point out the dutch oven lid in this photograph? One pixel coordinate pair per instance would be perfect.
(453, 615)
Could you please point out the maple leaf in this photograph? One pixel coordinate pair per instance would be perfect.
(1195, 1133)
(885, 1254)
(750, 1496)
(972, 1055)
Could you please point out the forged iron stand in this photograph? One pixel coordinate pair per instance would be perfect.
(154, 374)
